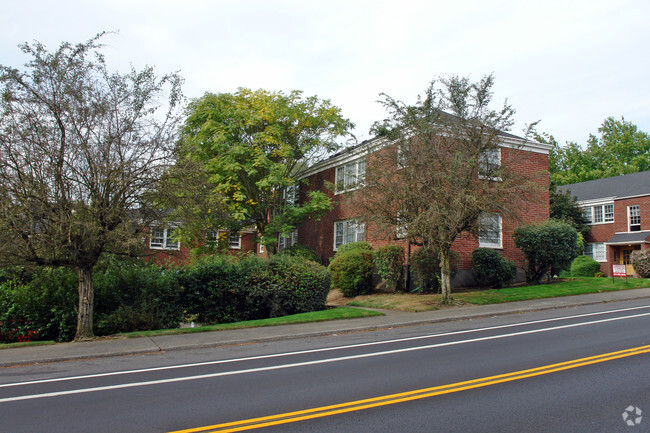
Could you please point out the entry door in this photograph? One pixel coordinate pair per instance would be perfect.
(626, 253)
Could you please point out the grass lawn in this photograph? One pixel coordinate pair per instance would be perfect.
(561, 287)
(316, 316)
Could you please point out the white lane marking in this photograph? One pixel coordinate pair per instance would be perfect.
(324, 349)
(306, 363)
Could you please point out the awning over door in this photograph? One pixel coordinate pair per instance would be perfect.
(631, 238)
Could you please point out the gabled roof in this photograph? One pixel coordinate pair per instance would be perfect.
(617, 187)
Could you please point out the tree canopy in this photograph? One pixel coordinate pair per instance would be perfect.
(619, 148)
(80, 148)
(252, 143)
(441, 168)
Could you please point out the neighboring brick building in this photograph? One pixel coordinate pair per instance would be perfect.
(618, 209)
(164, 249)
(337, 176)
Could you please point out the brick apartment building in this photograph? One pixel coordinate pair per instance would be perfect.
(618, 211)
(337, 177)
(342, 225)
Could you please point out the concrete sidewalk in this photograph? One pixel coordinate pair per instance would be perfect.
(128, 346)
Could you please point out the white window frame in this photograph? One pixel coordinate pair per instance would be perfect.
(348, 231)
(262, 249)
(634, 217)
(164, 240)
(291, 194)
(234, 241)
(599, 214)
(286, 240)
(485, 240)
(488, 161)
(596, 250)
(350, 176)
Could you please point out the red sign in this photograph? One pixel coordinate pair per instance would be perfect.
(619, 271)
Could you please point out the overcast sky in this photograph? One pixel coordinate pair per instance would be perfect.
(567, 63)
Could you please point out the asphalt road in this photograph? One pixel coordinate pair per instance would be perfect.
(572, 370)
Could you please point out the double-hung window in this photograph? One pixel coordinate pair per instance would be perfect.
(348, 231)
(214, 236)
(291, 194)
(488, 164)
(162, 239)
(596, 251)
(351, 175)
(634, 218)
(489, 231)
(287, 240)
(599, 214)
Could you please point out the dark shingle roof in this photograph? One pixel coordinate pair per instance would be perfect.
(630, 238)
(627, 185)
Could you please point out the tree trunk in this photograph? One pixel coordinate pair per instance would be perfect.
(445, 276)
(86, 300)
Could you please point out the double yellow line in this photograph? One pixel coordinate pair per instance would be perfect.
(319, 412)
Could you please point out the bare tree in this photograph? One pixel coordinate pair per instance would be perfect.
(80, 146)
(438, 169)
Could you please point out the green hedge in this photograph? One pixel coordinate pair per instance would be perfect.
(41, 304)
(389, 263)
(303, 251)
(352, 272)
(224, 289)
(490, 269)
(584, 266)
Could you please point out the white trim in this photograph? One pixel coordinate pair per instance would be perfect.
(167, 243)
(593, 251)
(359, 228)
(376, 143)
(484, 244)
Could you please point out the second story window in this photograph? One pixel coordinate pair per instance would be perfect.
(634, 218)
(291, 194)
(599, 214)
(350, 176)
(488, 164)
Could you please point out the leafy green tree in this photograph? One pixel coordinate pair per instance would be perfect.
(438, 172)
(549, 247)
(564, 207)
(80, 148)
(252, 144)
(619, 148)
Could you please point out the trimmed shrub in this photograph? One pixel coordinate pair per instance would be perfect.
(425, 264)
(490, 269)
(132, 295)
(549, 247)
(304, 252)
(584, 266)
(222, 289)
(352, 272)
(352, 246)
(389, 263)
(641, 263)
(299, 286)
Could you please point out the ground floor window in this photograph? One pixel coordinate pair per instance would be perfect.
(348, 231)
(596, 250)
(287, 240)
(489, 231)
(162, 239)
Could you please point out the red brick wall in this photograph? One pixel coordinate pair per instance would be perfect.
(319, 235)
